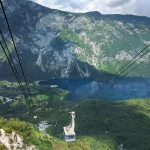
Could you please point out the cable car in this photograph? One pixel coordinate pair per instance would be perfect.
(69, 132)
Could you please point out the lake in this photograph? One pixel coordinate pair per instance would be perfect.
(123, 89)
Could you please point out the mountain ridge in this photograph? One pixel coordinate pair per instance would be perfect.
(61, 44)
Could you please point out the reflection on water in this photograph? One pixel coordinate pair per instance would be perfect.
(123, 89)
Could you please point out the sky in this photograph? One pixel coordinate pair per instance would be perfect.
(135, 7)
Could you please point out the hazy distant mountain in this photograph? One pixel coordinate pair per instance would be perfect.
(53, 43)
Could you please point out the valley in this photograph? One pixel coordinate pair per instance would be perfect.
(108, 124)
(65, 58)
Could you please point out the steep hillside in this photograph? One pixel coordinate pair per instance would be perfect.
(53, 43)
(20, 135)
(100, 125)
(127, 122)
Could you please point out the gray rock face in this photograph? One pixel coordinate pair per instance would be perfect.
(14, 141)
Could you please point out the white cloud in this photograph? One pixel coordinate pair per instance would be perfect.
(136, 7)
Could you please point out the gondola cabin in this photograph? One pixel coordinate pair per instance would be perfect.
(69, 132)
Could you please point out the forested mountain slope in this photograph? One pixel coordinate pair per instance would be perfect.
(100, 125)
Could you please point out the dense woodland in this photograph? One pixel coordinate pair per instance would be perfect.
(100, 124)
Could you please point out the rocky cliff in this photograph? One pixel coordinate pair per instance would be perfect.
(57, 44)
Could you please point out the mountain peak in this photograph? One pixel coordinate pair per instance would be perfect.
(14, 2)
(12, 5)
(95, 14)
(60, 43)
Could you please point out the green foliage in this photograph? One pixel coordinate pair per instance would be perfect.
(3, 147)
(26, 130)
(40, 97)
(2, 54)
(92, 143)
(100, 124)
(8, 84)
(124, 122)
(69, 36)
